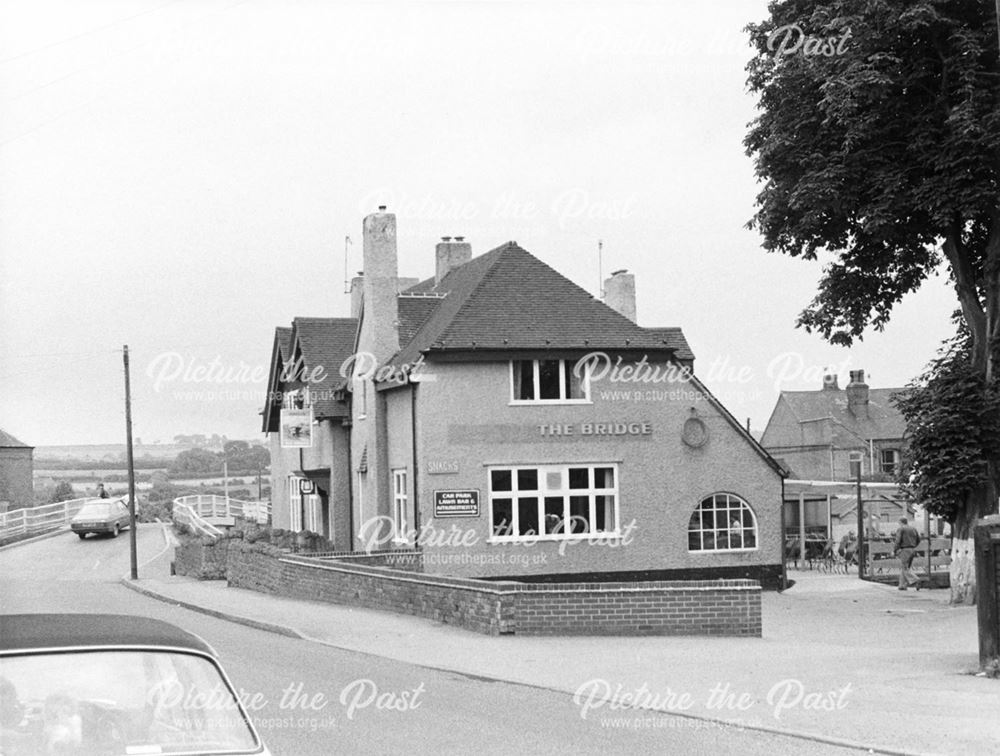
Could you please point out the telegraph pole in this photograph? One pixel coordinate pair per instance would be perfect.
(131, 469)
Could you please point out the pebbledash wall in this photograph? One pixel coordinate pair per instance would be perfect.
(395, 582)
(661, 478)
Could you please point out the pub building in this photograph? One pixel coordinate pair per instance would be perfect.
(507, 424)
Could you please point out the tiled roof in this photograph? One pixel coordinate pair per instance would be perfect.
(7, 441)
(283, 340)
(413, 313)
(674, 339)
(509, 299)
(326, 343)
(883, 420)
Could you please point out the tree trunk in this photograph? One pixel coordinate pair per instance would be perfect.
(962, 571)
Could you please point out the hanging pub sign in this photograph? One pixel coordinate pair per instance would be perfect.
(296, 428)
(456, 503)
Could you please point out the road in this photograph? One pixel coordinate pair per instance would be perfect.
(314, 699)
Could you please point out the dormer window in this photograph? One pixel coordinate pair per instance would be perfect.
(552, 381)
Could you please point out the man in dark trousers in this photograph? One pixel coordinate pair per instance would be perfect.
(905, 542)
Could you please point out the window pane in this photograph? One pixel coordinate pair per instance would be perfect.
(548, 379)
(574, 386)
(604, 477)
(554, 514)
(500, 480)
(604, 513)
(553, 480)
(502, 517)
(527, 515)
(524, 379)
(579, 514)
(694, 540)
(527, 480)
(749, 539)
(579, 477)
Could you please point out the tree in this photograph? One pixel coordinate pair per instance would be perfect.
(197, 461)
(953, 421)
(880, 154)
(63, 491)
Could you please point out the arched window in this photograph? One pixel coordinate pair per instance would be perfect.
(722, 522)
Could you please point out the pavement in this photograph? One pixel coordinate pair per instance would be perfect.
(841, 660)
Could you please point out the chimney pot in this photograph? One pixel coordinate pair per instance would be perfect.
(459, 238)
(446, 238)
(381, 208)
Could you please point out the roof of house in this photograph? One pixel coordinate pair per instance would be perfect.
(283, 341)
(7, 441)
(324, 343)
(508, 299)
(883, 419)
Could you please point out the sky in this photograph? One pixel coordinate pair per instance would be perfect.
(182, 177)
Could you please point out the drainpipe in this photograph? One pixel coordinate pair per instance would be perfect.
(350, 490)
(413, 447)
(784, 560)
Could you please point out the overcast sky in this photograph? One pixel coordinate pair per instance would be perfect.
(181, 176)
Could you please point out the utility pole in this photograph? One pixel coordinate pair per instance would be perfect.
(131, 469)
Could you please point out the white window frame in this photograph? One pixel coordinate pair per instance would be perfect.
(400, 501)
(313, 513)
(563, 490)
(856, 456)
(294, 504)
(584, 384)
(895, 461)
(744, 505)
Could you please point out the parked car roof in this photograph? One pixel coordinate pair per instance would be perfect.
(30, 632)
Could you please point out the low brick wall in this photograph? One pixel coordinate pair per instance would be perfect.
(697, 607)
(719, 607)
(395, 582)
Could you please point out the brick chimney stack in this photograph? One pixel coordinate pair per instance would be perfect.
(857, 394)
(619, 293)
(449, 254)
(380, 284)
(357, 294)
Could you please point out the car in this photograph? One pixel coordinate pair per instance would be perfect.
(111, 685)
(110, 516)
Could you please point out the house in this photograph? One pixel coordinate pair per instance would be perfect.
(505, 422)
(16, 471)
(818, 435)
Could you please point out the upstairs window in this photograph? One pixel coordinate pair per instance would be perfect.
(889, 461)
(547, 381)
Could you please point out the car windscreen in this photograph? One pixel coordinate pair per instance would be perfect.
(94, 703)
(93, 512)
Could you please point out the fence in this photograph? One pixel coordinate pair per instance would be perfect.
(24, 522)
(203, 513)
(211, 506)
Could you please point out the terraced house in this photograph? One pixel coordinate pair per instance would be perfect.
(505, 422)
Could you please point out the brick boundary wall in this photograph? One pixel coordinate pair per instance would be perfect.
(707, 607)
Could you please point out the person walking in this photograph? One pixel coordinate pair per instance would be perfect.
(905, 545)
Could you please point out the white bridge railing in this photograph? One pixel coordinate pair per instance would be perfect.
(203, 513)
(21, 522)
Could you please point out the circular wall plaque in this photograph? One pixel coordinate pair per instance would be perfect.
(695, 433)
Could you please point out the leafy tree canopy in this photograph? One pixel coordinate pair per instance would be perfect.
(880, 154)
(954, 429)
